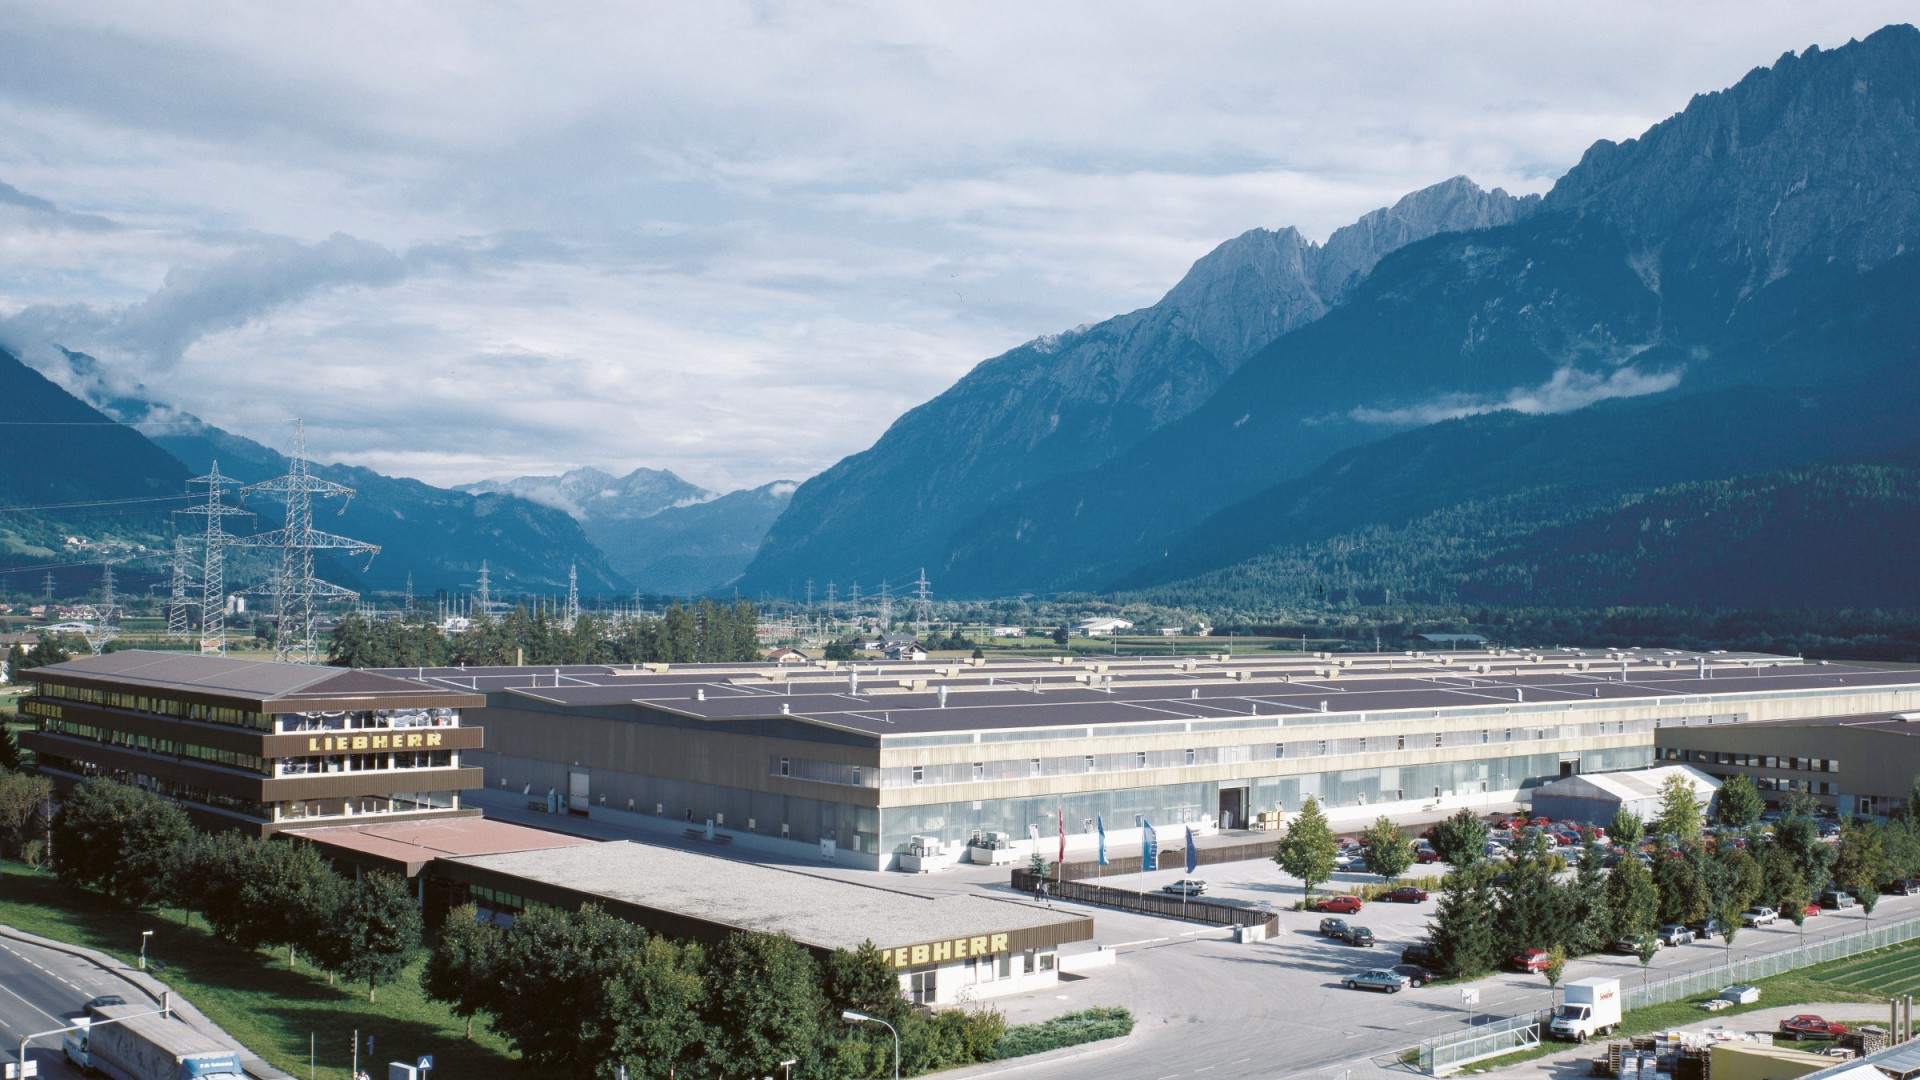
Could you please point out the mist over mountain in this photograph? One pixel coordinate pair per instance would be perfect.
(1676, 262)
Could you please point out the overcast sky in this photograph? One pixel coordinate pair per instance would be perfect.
(733, 240)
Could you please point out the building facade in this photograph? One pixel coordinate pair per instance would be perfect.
(862, 762)
(256, 745)
(1864, 764)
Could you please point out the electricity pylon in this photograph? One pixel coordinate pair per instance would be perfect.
(213, 567)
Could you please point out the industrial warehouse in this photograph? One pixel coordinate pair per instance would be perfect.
(912, 765)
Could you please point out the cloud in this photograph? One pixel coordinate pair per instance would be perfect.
(1569, 389)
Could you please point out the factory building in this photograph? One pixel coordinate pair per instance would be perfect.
(1864, 763)
(252, 744)
(896, 765)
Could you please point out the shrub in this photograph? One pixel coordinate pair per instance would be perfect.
(1107, 1022)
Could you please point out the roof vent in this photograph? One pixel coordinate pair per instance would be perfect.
(700, 694)
(1323, 706)
(785, 708)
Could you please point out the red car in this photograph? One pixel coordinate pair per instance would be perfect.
(1809, 1026)
(1426, 855)
(1809, 910)
(1345, 904)
(1406, 894)
(1531, 961)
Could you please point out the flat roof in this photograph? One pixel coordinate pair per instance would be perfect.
(417, 843)
(260, 682)
(1877, 721)
(906, 698)
(823, 912)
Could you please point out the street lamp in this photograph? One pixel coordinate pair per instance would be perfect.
(144, 935)
(852, 1017)
(788, 1065)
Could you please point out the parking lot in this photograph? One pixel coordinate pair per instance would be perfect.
(1207, 1007)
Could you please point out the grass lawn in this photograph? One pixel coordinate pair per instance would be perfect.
(1869, 978)
(251, 993)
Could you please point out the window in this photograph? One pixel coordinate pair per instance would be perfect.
(1401, 743)
(1279, 750)
(1089, 763)
(786, 766)
(979, 770)
(1190, 757)
(1508, 737)
(1140, 759)
(1438, 739)
(1033, 767)
(1486, 736)
(919, 773)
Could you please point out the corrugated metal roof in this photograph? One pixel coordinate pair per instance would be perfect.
(1635, 786)
(262, 680)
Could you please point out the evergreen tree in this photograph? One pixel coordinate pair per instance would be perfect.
(1387, 852)
(1535, 912)
(1461, 840)
(1633, 901)
(1465, 936)
(1592, 927)
(1308, 849)
(9, 746)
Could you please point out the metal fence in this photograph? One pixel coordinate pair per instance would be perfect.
(1439, 1056)
(1192, 909)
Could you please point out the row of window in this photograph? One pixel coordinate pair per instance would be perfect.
(352, 763)
(177, 790)
(1754, 761)
(157, 706)
(152, 745)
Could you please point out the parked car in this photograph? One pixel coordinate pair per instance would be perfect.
(1708, 928)
(1836, 900)
(1186, 886)
(1531, 961)
(1674, 934)
(1350, 861)
(1344, 904)
(1333, 927)
(1357, 935)
(1419, 953)
(1417, 976)
(1406, 894)
(102, 1002)
(1809, 1026)
(1385, 980)
(1426, 855)
(1759, 916)
(1627, 946)
(1908, 887)
(1808, 911)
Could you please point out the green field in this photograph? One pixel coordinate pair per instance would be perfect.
(271, 1010)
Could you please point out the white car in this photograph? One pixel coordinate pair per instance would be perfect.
(1349, 862)
(1759, 916)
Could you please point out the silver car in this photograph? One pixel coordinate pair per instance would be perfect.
(1385, 980)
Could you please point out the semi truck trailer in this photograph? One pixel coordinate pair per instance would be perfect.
(129, 1042)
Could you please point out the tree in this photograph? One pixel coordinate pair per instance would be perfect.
(1684, 896)
(838, 650)
(22, 798)
(1461, 840)
(1680, 816)
(1626, 829)
(118, 839)
(551, 970)
(1466, 941)
(270, 892)
(1740, 804)
(376, 930)
(1781, 885)
(9, 745)
(460, 970)
(1556, 966)
(863, 981)
(1799, 838)
(1860, 864)
(1535, 912)
(1901, 838)
(764, 1006)
(1060, 636)
(1387, 853)
(1308, 849)
(1592, 923)
(1633, 901)
(654, 1004)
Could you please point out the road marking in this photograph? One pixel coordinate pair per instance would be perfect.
(31, 1005)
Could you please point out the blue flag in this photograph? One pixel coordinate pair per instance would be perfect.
(1193, 852)
(1100, 826)
(1149, 847)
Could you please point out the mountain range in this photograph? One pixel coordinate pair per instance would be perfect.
(1727, 296)
(657, 530)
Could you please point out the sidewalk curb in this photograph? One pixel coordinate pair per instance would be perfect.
(255, 1065)
(1065, 1053)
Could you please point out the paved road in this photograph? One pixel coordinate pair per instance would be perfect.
(41, 989)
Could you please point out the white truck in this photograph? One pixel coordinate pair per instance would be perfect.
(147, 1047)
(1587, 1007)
